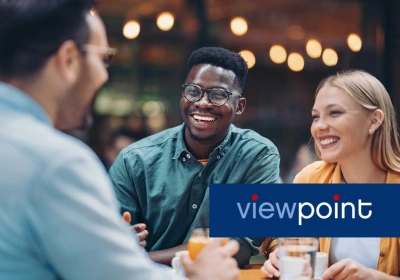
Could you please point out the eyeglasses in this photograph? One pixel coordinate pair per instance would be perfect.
(217, 96)
(108, 53)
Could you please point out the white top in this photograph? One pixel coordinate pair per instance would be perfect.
(362, 250)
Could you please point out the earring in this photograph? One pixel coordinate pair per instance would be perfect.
(370, 130)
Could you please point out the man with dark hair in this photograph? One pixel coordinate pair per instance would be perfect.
(163, 180)
(58, 212)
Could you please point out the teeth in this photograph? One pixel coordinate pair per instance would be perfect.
(329, 141)
(201, 118)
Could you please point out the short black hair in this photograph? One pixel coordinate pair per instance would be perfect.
(32, 30)
(220, 57)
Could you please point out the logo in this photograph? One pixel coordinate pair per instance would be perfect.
(303, 210)
(324, 210)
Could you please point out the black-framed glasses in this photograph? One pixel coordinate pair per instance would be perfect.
(217, 96)
(108, 53)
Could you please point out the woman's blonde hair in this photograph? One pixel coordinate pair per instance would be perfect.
(369, 92)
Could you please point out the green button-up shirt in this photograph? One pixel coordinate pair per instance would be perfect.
(162, 185)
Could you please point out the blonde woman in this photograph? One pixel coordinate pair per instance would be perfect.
(355, 133)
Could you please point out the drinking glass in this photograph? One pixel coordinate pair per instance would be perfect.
(297, 258)
(198, 240)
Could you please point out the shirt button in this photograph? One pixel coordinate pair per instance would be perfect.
(188, 156)
(200, 174)
(194, 206)
(382, 254)
(183, 159)
(218, 157)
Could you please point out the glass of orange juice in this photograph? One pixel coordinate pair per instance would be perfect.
(199, 239)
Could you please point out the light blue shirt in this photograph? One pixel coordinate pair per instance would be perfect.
(59, 218)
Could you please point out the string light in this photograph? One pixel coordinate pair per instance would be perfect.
(354, 42)
(249, 57)
(296, 32)
(165, 21)
(131, 29)
(239, 26)
(330, 57)
(277, 53)
(295, 62)
(313, 48)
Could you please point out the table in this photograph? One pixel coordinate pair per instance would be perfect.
(252, 272)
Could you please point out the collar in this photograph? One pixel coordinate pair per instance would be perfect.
(180, 143)
(18, 100)
(337, 175)
(391, 177)
(222, 148)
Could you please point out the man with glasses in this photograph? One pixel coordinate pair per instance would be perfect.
(163, 180)
(58, 213)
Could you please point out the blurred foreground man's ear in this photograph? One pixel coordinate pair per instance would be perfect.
(68, 62)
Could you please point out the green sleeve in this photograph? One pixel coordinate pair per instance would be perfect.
(124, 187)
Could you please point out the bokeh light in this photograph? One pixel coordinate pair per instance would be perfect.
(354, 42)
(296, 32)
(249, 57)
(277, 53)
(239, 26)
(131, 29)
(313, 48)
(295, 62)
(165, 21)
(330, 57)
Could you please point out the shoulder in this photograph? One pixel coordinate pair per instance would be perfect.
(55, 160)
(150, 149)
(316, 172)
(393, 177)
(69, 155)
(252, 139)
(74, 165)
(48, 146)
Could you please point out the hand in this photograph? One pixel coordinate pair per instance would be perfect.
(140, 229)
(214, 261)
(347, 269)
(271, 266)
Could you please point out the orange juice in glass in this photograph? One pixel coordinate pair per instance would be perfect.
(198, 240)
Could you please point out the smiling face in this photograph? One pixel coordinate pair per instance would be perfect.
(205, 122)
(340, 126)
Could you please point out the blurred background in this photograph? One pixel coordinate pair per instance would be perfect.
(290, 45)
